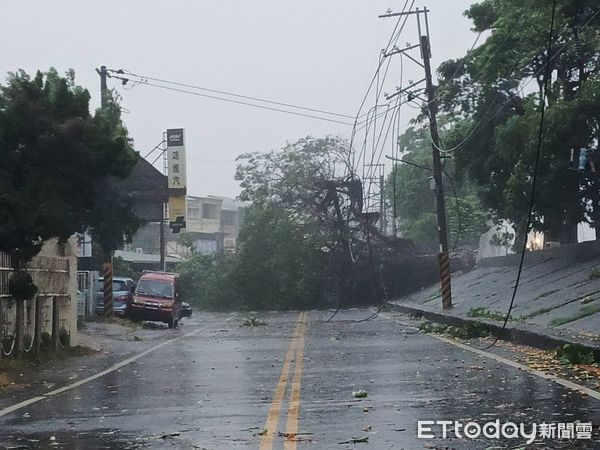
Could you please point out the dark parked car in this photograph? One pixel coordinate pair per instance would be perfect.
(123, 289)
(186, 309)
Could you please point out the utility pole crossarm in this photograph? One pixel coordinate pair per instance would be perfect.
(400, 160)
(406, 13)
(402, 51)
(401, 91)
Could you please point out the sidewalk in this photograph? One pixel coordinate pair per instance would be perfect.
(557, 302)
(101, 344)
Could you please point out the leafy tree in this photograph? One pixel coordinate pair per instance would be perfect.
(55, 162)
(125, 268)
(293, 248)
(279, 265)
(416, 203)
(207, 281)
(55, 155)
(494, 116)
(303, 178)
(310, 184)
(188, 240)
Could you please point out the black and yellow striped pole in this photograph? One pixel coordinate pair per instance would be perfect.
(107, 273)
(444, 260)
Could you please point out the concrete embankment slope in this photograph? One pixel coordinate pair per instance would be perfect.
(558, 295)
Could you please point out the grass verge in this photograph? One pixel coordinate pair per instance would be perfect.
(586, 311)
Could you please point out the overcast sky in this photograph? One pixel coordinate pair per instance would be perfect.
(315, 53)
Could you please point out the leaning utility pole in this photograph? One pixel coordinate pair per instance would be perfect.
(444, 255)
(107, 264)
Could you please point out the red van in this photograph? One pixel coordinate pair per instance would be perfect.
(157, 298)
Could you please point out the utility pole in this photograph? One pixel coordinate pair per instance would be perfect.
(163, 259)
(424, 45)
(103, 86)
(382, 209)
(107, 264)
(444, 255)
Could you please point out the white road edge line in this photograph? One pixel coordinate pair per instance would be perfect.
(112, 368)
(566, 383)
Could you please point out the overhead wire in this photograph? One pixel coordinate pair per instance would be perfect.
(380, 284)
(351, 155)
(370, 175)
(458, 213)
(238, 102)
(546, 78)
(372, 165)
(538, 154)
(395, 153)
(484, 120)
(452, 183)
(231, 94)
(392, 41)
(470, 53)
(378, 289)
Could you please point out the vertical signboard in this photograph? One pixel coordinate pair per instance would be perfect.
(176, 174)
(177, 210)
(176, 158)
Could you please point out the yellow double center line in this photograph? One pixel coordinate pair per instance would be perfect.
(295, 353)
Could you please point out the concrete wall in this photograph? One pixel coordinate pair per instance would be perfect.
(573, 252)
(54, 272)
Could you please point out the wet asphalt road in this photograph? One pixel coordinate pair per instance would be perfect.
(220, 385)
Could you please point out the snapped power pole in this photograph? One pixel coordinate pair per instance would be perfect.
(425, 47)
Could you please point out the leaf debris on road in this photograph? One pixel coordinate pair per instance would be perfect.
(355, 440)
(359, 394)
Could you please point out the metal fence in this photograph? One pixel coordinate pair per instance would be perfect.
(87, 286)
(47, 313)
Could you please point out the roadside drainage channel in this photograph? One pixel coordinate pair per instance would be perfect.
(511, 333)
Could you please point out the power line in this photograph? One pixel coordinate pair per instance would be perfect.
(238, 102)
(351, 155)
(395, 152)
(372, 163)
(458, 214)
(485, 119)
(470, 53)
(409, 163)
(143, 78)
(392, 41)
(534, 175)
(371, 170)
(379, 295)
